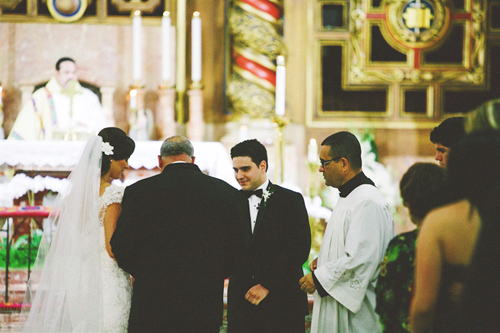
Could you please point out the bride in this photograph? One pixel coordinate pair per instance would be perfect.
(76, 285)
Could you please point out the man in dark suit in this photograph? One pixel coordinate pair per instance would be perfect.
(264, 295)
(179, 236)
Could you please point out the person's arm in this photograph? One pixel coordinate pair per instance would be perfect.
(235, 234)
(128, 238)
(27, 125)
(294, 250)
(347, 278)
(427, 276)
(295, 242)
(110, 217)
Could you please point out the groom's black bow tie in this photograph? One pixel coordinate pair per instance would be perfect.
(248, 194)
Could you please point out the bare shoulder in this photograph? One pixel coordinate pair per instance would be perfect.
(459, 219)
(450, 213)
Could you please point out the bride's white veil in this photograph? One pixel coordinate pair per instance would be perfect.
(64, 289)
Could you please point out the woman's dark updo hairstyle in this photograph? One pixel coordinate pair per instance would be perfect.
(123, 146)
(423, 187)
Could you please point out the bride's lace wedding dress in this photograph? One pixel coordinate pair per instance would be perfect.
(116, 284)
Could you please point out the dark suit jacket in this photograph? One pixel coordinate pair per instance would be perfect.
(179, 236)
(276, 252)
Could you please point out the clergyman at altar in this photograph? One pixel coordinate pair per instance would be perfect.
(344, 275)
(179, 235)
(62, 109)
(264, 295)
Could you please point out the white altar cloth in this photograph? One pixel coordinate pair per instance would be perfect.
(211, 157)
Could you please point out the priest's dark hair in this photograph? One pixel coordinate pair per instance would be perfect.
(345, 144)
(123, 146)
(63, 59)
(449, 131)
(251, 148)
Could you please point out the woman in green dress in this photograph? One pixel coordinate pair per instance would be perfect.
(423, 187)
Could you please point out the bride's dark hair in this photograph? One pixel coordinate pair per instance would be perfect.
(123, 146)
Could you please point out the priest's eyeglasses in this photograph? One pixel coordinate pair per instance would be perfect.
(325, 163)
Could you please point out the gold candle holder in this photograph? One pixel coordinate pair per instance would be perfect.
(196, 85)
(280, 122)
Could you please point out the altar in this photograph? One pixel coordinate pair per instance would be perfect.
(43, 165)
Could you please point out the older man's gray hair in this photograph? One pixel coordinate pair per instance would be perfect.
(176, 145)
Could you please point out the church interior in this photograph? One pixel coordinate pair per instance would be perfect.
(286, 72)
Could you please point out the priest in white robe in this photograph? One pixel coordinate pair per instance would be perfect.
(345, 273)
(62, 109)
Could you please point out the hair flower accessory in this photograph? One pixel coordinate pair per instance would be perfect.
(266, 194)
(106, 148)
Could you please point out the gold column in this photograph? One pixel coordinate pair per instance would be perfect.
(180, 84)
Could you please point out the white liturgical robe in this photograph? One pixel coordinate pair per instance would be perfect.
(47, 115)
(349, 261)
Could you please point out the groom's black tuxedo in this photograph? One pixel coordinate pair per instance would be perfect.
(276, 251)
(179, 236)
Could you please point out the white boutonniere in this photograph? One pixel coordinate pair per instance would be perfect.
(266, 195)
(106, 148)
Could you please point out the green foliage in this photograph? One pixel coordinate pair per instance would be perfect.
(368, 135)
(18, 256)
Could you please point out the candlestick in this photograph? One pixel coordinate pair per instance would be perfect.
(137, 46)
(166, 23)
(280, 86)
(280, 122)
(312, 152)
(180, 60)
(196, 47)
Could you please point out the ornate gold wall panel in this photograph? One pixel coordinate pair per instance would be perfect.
(389, 62)
(88, 11)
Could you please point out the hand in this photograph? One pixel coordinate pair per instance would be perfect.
(256, 294)
(313, 265)
(307, 284)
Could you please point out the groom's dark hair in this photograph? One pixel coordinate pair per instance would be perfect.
(251, 148)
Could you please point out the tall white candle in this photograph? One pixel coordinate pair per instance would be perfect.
(166, 24)
(312, 151)
(133, 99)
(280, 86)
(196, 47)
(137, 46)
(1, 102)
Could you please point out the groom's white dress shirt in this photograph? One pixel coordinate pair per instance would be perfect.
(254, 202)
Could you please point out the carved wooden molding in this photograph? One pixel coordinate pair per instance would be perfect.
(147, 6)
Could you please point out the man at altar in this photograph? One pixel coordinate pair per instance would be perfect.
(61, 110)
(263, 295)
(344, 275)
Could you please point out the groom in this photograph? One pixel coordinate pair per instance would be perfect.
(264, 295)
(178, 235)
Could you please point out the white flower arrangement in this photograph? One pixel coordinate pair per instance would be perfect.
(106, 148)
